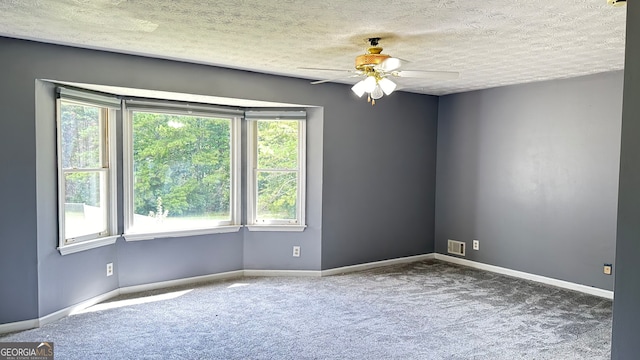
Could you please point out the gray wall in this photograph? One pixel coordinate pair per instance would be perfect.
(532, 172)
(380, 160)
(18, 232)
(379, 178)
(626, 313)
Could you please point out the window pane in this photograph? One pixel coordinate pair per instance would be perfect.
(84, 212)
(182, 171)
(277, 195)
(278, 144)
(80, 132)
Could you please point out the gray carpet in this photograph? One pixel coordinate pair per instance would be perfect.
(423, 310)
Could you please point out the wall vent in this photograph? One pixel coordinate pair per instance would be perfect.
(456, 247)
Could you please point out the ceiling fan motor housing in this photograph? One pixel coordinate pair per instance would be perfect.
(372, 58)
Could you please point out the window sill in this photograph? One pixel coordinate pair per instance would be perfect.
(87, 245)
(181, 233)
(276, 227)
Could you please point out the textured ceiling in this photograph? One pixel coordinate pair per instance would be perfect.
(489, 42)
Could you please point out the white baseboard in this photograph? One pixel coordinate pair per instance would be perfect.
(18, 326)
(607, 294)
(35, 323)
(371, 265)
(299, 273)
(78, 307)
(179, 282)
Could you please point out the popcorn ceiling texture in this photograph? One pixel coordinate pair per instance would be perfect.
(490, 42)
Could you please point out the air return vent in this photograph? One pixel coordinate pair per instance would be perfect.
(456, 247)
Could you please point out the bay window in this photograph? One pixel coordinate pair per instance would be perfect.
(181, 169)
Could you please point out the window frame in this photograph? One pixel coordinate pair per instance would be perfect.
(189, 109)
(108, 170)
(253, 223)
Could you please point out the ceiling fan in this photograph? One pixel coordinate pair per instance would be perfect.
(376, 69)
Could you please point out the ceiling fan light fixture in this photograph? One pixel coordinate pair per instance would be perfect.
(376, 70)
(359, 88)
(387, 85)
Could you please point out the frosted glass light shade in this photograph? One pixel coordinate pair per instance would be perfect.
(387, 85)
(376, 93)
(370, 84)
(358, 88)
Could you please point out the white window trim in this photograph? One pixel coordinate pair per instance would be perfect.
(127, 168)
(223, 229)
(89, 241)
(234, 225)
(87, 245)
(276, 227)
(236, 172)
(251, 168)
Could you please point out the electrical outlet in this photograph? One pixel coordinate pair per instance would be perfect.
(476, 244)
(109, 269)
(607, 269)
(296, 251)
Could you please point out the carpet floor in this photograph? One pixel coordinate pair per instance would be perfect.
(422, 310)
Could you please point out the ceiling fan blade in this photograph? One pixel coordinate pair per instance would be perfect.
(333, 79)
(391, 64)
(324, 69)
(426, 74)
